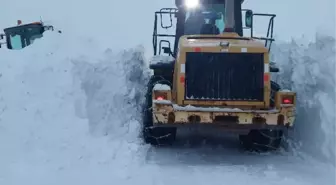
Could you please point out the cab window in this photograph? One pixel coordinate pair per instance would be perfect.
(207, 14)
(16, 41)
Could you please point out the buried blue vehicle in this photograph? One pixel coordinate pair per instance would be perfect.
(23, 35)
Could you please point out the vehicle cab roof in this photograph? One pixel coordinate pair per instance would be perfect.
(178, 3)
(23, 26)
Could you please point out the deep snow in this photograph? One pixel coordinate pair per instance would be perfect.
(310, 71)
(69, 111)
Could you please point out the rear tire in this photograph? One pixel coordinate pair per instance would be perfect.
(155, 135)
(262, 140)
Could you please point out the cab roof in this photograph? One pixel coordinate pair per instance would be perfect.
(178, 3)
(23, 26)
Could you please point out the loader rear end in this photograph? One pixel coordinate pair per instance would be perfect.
(221, 81)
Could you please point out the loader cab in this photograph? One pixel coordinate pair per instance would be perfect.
(190, 15)
(207, 12)
(203, 22)
(21, 36)
(190, 18)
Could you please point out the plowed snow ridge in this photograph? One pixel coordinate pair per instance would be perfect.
(310, 70)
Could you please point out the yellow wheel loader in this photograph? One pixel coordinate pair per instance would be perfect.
(215, 75)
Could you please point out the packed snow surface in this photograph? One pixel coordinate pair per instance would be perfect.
(70, 104)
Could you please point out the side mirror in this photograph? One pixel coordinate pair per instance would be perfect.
(274, 68)
(249, 18)
(167, 50)
(15, 42)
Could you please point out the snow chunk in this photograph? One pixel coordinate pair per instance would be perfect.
(218, 109)
(166, 102)
(160, 59)
(209, 109)
(205, 109)
(161, 87)
(285, 90)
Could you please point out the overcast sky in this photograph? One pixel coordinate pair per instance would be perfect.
(125, 23)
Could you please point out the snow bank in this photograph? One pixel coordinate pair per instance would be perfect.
(310, 71)
(114, 89)
(50, 103)
(58, 100)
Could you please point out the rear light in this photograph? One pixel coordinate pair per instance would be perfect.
(161, 92)
(160, 95)
(160, 98)
(287, 100)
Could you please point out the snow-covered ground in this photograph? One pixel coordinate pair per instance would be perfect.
(69, 111)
